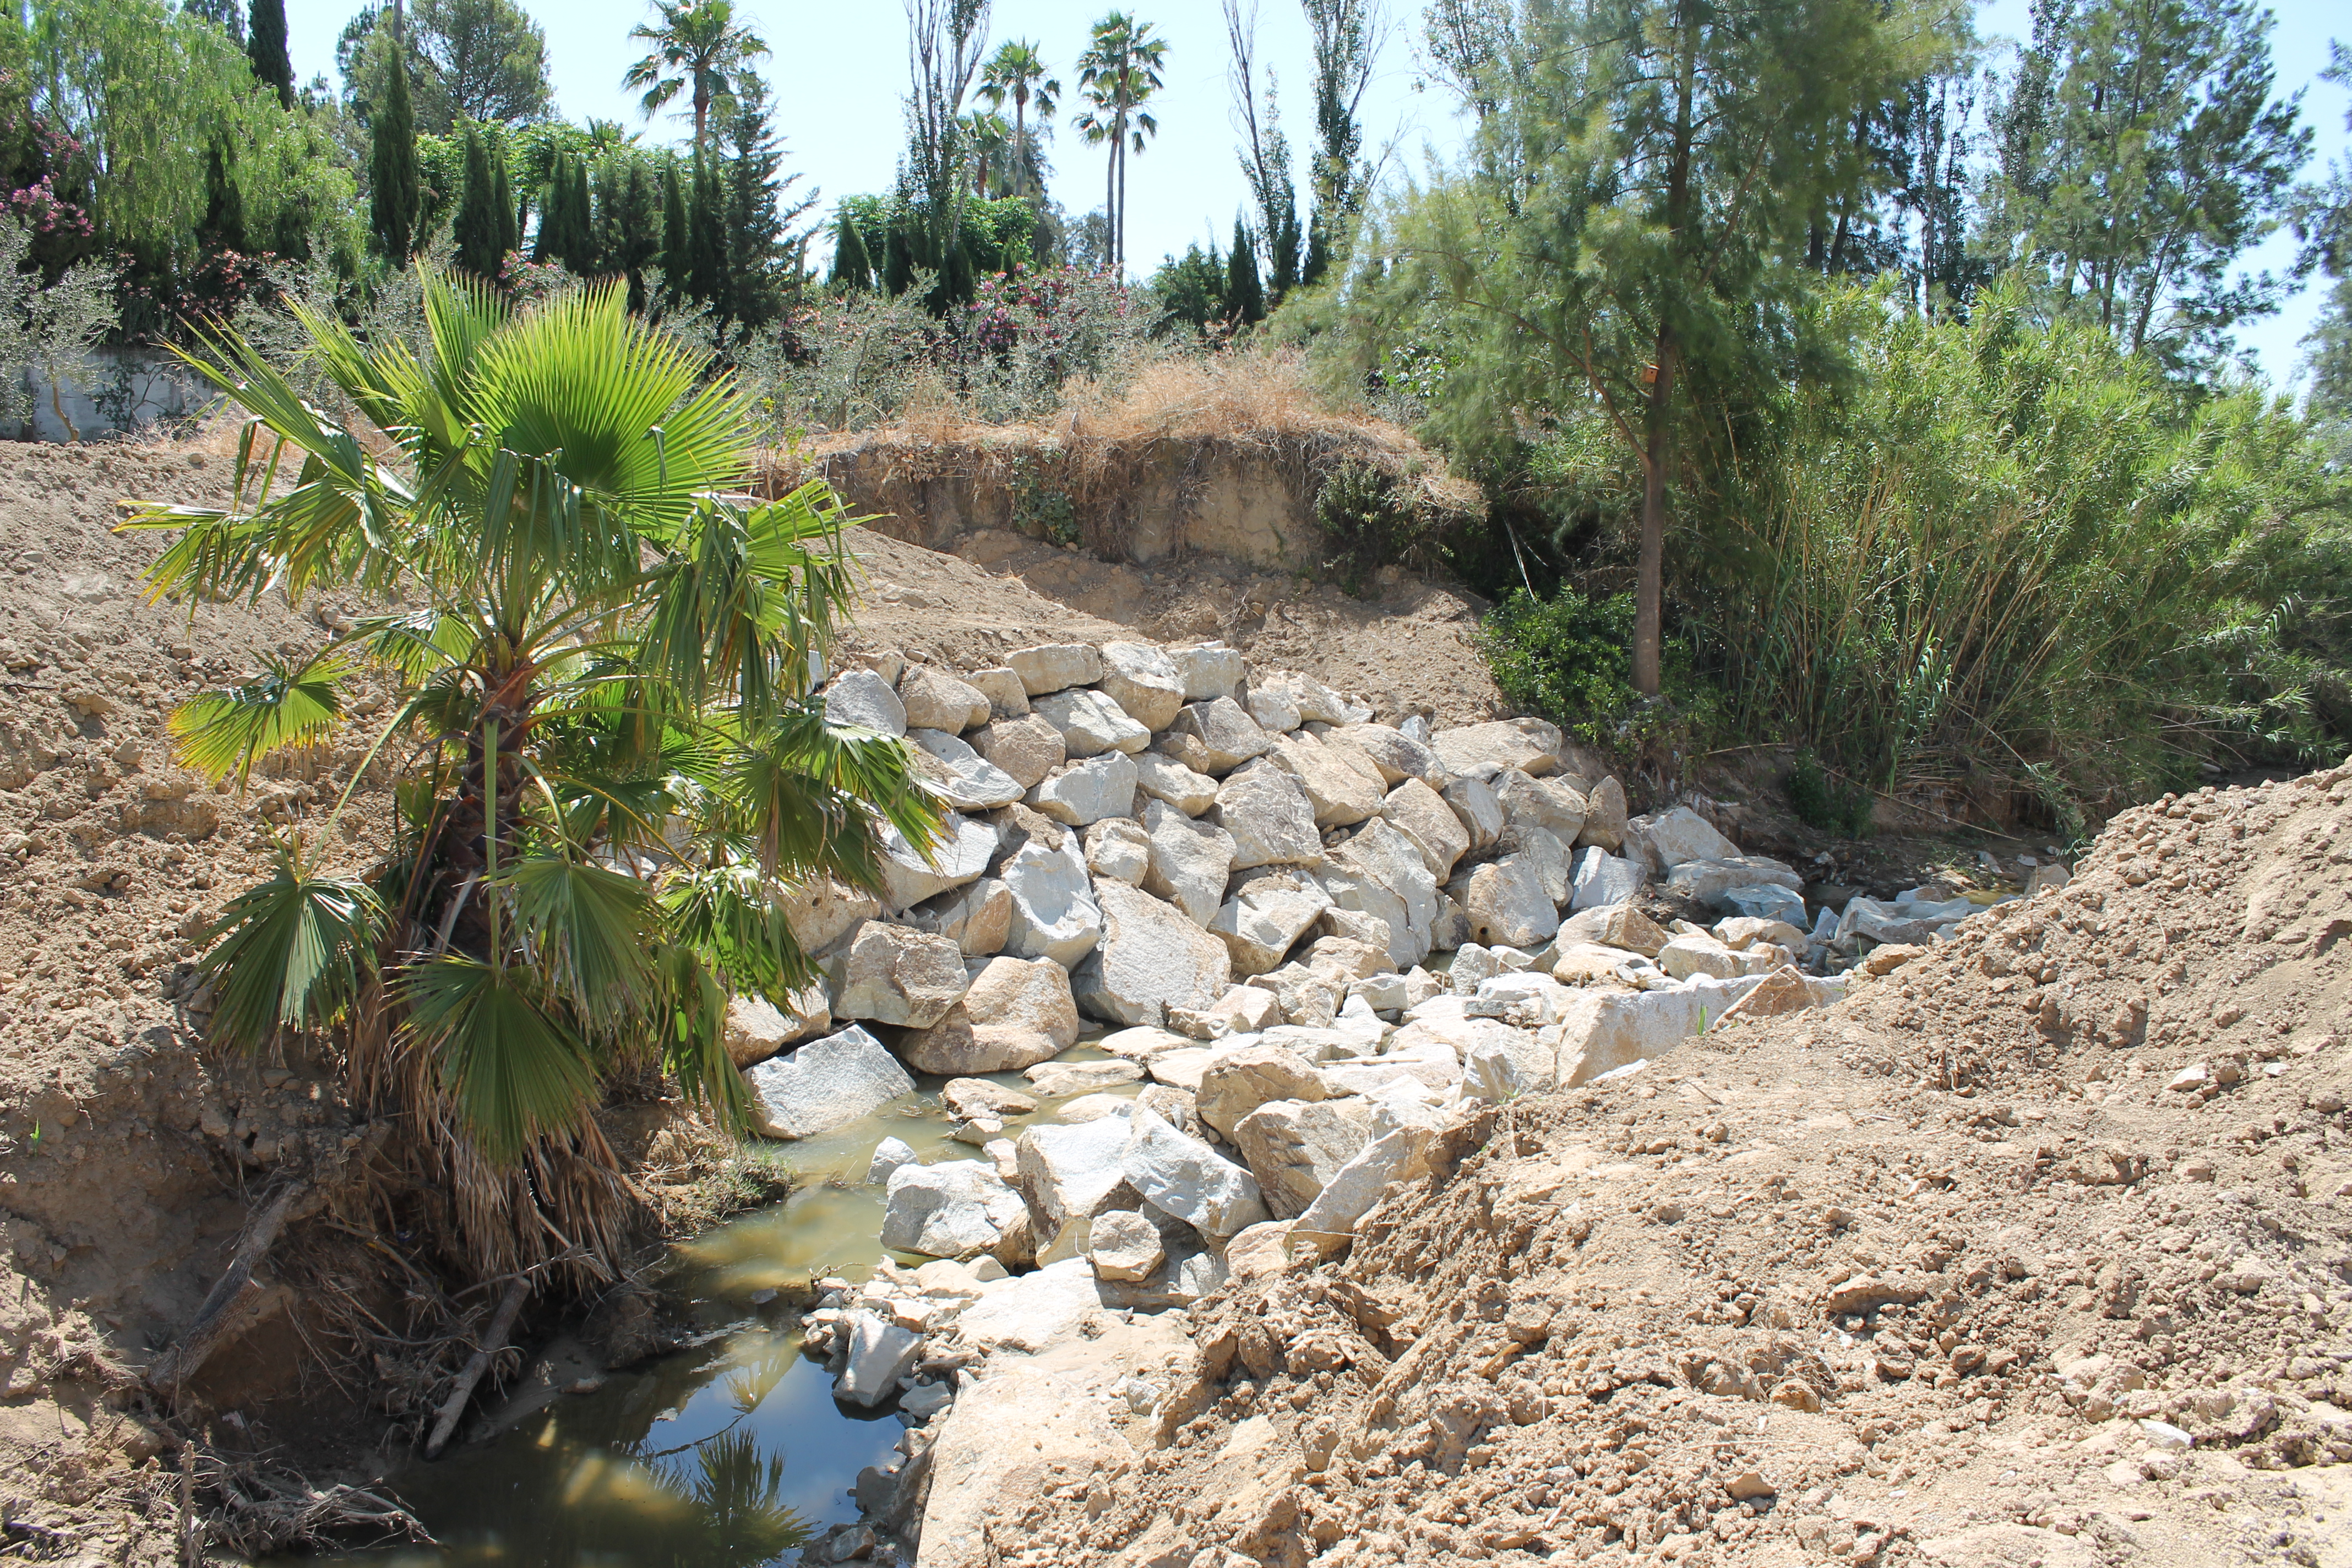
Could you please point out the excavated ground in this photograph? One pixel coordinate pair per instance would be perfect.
(1906, 1281)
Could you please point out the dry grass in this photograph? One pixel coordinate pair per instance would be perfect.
(1098, 447)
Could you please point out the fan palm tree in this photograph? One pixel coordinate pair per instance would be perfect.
(1017, 72)
(990, 142)
(612, 760)
(1117, 74)
(697, 44)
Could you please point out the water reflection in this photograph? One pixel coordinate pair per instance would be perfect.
(715, 1458)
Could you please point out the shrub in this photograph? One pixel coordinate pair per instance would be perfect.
(1567, 658)
(1370, 518)
(1830, 804)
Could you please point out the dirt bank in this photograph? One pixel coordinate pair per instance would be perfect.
(2032, 1252)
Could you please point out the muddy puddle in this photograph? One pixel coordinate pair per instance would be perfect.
(726, 1453)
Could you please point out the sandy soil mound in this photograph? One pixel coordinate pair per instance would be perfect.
(2035, 1252)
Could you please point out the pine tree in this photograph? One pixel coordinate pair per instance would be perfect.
(265, 45)
(1244, 294)
(757, 216)
(482, 216)
(393, 198)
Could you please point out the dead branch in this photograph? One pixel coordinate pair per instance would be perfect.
(501, 1325)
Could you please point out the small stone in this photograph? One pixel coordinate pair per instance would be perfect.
(1224, 736)
(1123, 1245)
(1117, 850)
(1007, 698)
(888, 1156)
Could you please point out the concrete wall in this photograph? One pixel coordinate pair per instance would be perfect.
(152, 386)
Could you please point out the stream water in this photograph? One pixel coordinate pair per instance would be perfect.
(716, 1456)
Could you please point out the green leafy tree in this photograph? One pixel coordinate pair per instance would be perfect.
(265, 45)
(481, 60)
(1123, 66)
(676, 260)
(697, 47)
(1632, 220)
(2141, 153)
(1265, 152)
(1191, 291)
(1016, 72)
(1345, 36)
(611, 759)
(394, 201)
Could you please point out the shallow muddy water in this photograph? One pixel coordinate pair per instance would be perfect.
(712, 1457)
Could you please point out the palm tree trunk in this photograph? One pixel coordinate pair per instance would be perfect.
(1110, 207)
(1020, 142)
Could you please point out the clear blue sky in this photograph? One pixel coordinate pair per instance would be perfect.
(840, 71)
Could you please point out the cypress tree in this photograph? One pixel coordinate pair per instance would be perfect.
(480, 226)
(851, 264)
(629, 220)
(265, 45)
(222, 228)
(1244, 295)
(706, 240)
(547, 245)
(1284, 271)
(582, 227)
(393, 196)
(510, 215)
(677, 264)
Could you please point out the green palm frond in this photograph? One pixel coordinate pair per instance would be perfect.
(694, 1048)
(290, 954)
(419, 644)
(590, 926)
(807, 792)
(723, 911)
(514, 1072)
(223, 733)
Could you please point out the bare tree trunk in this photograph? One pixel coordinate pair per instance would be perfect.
(494, 1341)
(1658, 457)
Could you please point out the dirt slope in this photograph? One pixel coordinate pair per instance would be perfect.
(1894, 1284)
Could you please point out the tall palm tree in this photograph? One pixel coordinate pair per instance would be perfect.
(610, 752)
(1117, 74)
(697, 44)
(1017, 72)
(990, 142)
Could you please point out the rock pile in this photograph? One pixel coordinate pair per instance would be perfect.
(1316, 939)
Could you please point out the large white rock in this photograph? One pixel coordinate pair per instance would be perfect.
(1164, 778)
(825, 1084)
(1016, 1014)
(1397, 754)
(1529, 745)
(961, 856)
(1767, 901)
(1704, 881)
(1479, 809)
(1618, 926)
(1385, 854)
(1091, 724)
(1026, 748)
(1552, 805)
(757, 1028)
(1423, 815)
(1189, 860)
(1604, 817)
(1507, 902)
(1089, 792)
(1117, 850)
(1007, 698)
(1124, 1246)
(1151, 957)
(1073, 1171)
(820, 913)
(1342, 785)
(1207, 670)
(1143, 681)
(1272, 702)
(880, 1354)
(1261, 924)
(1185, 1177)
(935, 700)
(1054, 911)
(1688, 955)
(1295, 1147)
(1269, 818)
(1224, 736)
(1312, 700)
(961, 1209)
(1542, 849)
(1673, 837)
(1597, 878)
(1055, 667)
(896, 974)
(1027, 1315)
(969, 781)
(1245, 1077)
(863, 699)
(1329, 1222)
(977, 918)
(1605, 1030)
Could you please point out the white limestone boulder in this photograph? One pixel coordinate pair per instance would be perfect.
(1151, 957)
(825, 1083)
(1054, 914)
(1144, 682)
